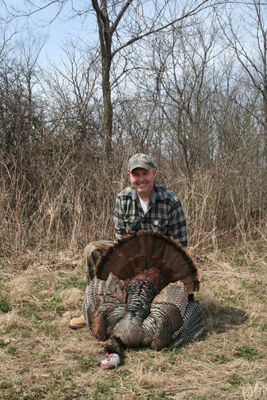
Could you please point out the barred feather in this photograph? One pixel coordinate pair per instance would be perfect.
(157, 330)
(101, 293)
(192, 327)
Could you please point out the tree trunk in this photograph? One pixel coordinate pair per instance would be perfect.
(265, 93)
(108, 111)
(105, 37)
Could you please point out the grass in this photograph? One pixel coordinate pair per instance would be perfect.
(41, 358)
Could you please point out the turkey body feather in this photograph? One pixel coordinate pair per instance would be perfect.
(140, 294)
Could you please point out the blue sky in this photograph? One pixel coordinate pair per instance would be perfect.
(58, 31)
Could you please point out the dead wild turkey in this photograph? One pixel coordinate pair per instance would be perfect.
(142, 295)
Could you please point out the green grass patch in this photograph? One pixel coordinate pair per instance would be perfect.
(160, 396)
(12, 350)
(87, 363)
(48, 330)
(239, 262)
(4, 306)
(3, 343)
(249, 353)
(52, 304)
(5, 385)
(235, 381)
(221, 359)
(74, 282)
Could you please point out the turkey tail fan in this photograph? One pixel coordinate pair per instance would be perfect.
(158, 250)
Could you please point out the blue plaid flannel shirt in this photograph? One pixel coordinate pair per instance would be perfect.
(165, 214)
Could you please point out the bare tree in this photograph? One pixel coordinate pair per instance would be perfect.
(183, 75)
(248, 40)
(20, 109)
(74, 90)
(120, 25)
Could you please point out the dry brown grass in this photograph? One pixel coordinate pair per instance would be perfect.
(41, 358)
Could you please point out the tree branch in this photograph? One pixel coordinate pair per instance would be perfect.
(203, 6)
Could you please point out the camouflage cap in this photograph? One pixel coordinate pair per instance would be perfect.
(140, 161)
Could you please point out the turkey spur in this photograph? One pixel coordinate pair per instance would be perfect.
(142, 295)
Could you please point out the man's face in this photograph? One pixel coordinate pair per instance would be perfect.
(143, 181)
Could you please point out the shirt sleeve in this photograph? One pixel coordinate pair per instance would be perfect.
(177, 224)
(119, 222)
